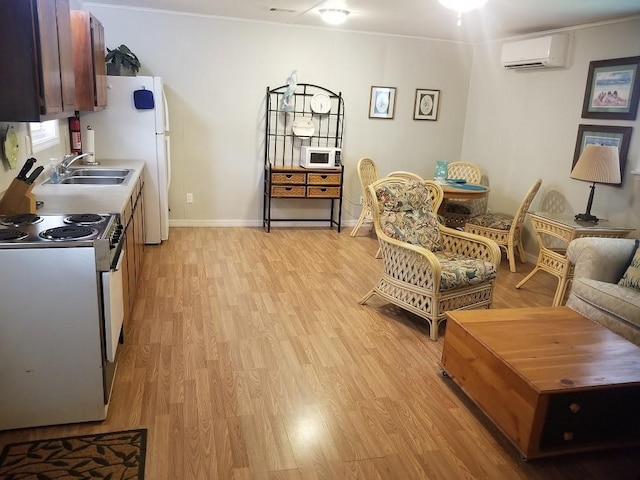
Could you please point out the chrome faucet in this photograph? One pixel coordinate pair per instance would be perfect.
(68, 160)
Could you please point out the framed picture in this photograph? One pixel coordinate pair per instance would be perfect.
(426, 104)
(612, 89)
(382, 102)
(604, 135)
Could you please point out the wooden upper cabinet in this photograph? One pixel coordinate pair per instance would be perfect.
(37, 81)
(88, 60)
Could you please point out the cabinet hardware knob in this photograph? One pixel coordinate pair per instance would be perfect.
(567, 436)
(574, 408)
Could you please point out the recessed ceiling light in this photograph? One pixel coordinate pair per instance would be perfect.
(334, 16)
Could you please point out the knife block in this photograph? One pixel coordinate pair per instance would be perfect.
(18, 199)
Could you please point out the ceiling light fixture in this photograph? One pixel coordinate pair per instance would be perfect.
(334, 16)
(462, 6)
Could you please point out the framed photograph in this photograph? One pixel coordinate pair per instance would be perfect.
(612, 89)
(382, 102)
(426, 104)
(604, 135)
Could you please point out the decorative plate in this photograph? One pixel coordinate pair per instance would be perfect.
(10, 148)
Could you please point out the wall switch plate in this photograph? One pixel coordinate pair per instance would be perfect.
(189, 197)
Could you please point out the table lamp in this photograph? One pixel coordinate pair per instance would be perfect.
(597, 164)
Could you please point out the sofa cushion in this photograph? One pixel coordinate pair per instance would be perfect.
(407, 214)
(460, 271)
(618, 300)
(499, 221)
(631, 277)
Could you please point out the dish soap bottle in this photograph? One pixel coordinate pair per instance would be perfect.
(55, 177)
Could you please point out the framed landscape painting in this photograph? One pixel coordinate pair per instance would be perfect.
(613, 89)
(604, 135)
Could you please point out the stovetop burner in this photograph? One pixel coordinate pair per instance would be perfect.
(22, 219)
(68, 232)
(12, 234)
(84, 219)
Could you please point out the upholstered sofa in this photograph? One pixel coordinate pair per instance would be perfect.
(595, 292)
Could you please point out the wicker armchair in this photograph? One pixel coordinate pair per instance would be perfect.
(427, 267)
(505, 230)
(456, 212)
(367, 173)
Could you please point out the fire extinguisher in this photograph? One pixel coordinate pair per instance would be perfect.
(76, 136)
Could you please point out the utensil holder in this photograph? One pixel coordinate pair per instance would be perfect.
(18, 199)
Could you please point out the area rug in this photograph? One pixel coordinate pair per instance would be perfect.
(113, 455)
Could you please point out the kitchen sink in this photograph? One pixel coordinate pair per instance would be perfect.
(100, 172)
(73, 180)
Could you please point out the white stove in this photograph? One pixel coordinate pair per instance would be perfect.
(61, 313)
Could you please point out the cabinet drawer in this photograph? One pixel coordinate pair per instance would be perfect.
(324, 178)
(288, 178)
(323, 192)
(287, 191)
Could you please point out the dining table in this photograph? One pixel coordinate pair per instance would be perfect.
(464, 191)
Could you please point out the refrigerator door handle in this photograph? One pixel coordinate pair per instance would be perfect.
(166, 112)
(167, 142)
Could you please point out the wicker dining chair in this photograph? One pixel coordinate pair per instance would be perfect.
(505, 230)
(456, 212)
(427, 267)
(406, 175)
(367, 173)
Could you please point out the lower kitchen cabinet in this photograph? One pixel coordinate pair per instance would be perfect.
(133, 223)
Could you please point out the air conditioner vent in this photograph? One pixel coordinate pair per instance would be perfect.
(542, 52)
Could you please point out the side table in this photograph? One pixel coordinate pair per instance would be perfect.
(565, 228)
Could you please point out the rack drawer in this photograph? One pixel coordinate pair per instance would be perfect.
(298, 178)
(323, 192)
(287, 191)
(323, 178)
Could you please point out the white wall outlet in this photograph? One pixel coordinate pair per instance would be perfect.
(361, 200)
(189, 197)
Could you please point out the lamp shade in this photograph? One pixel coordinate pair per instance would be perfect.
(599, 164)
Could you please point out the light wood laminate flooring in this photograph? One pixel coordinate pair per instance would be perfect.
(249, 357)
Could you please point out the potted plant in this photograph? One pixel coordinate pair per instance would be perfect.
(122, 61)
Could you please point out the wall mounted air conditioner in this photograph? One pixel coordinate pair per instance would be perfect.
(542, 52)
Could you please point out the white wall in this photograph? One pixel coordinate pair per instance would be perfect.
(522, 125)
(216, 72)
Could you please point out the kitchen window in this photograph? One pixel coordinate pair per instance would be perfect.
(44, 135)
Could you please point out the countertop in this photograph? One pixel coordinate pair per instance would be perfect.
(89, 198)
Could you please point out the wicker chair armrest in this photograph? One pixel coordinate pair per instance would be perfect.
(470, 245)
(410, 263)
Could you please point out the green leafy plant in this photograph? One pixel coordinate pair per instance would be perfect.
(123, 56)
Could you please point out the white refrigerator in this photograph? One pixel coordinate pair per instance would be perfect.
(123, 131)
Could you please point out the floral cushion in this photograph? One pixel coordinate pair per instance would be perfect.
(459, 271)
(499, 221)
(407, 214)
(631, 277)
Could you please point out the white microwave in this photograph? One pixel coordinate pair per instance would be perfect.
(320, 157)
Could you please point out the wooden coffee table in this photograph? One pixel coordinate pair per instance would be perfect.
(550, 379)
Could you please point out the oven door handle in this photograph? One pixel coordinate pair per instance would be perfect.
(113, 301)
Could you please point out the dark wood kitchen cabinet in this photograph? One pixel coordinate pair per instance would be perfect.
(38, 80)
(88, 60)
(133, 223)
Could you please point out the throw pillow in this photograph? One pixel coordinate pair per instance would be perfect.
(631, 277)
